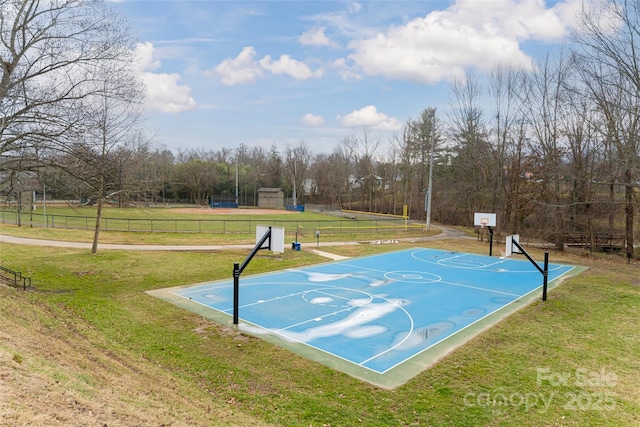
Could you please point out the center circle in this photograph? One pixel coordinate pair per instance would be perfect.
(419, 277)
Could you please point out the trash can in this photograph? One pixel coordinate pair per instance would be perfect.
(295, 246)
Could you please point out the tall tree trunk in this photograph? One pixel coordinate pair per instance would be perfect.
(96, 232)
(612, 206)
(628, 208)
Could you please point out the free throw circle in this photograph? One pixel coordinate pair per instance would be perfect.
(418, 277)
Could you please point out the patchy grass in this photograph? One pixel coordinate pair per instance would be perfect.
(201, 229)
(95, 349)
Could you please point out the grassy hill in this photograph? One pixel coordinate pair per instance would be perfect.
(89, 347)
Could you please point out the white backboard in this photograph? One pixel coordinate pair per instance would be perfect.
(484, 219)
(277, 237)
(509, 249)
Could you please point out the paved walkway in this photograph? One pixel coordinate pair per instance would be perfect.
(446, 233)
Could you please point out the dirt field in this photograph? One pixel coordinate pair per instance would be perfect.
(236, 211)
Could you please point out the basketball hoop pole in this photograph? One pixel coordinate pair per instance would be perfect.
(238, 269)
(490, 240)
(236, 291)
(544, 270)
(485, 219)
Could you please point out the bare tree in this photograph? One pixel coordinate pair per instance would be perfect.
(582, 158)
(545, 100)
(274, 168)
(359, 151)
(330, 174)
(348, 150)
(506, 137)
(400, 154)
(108, 134)
(257, 159)
(197, 172)
(421, 131)
(608, 56)
(153, 173)
(65, 87)
(472, 166)
(49, 51)
(297, 160)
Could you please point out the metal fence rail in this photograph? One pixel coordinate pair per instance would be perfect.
(14, 278)
(329, 227)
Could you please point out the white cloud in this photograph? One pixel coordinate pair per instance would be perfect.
(346, 72)
(291, 67)
(369, 116)
(509, 18)
(477, 34)
(601, 13)
(245, 69)
(163, 91)
(348, 75)
(312, 120)
(242, 69)
(146, 61)
(315, 37)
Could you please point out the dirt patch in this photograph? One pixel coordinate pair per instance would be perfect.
(234, 211)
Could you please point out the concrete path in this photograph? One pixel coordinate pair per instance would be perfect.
(82, 245)
(446, 233)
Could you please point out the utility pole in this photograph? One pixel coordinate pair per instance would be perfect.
(294, 184)
(430, 190)
(237, 178)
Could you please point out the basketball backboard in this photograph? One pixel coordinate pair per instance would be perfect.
(484, 219)
(277, 237)
(509, 249)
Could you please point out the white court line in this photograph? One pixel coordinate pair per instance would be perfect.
(443, 261)
(227, 284)
(411, 329)
(480, 289)
(365, 268)
(279, 297)
(201, 288)
(442, 281)
(315, 319)
(280, 331)
(333, 313)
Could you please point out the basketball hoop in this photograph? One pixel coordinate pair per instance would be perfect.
(485, 221)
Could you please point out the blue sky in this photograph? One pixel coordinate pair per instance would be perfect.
(222, 73)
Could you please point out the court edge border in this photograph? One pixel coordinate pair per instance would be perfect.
(394, 377)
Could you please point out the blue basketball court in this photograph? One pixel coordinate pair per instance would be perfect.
(382, 318)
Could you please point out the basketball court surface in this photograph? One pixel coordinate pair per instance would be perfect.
(381, 318)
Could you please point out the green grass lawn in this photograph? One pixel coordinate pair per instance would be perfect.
(170, 226)
(571, 361)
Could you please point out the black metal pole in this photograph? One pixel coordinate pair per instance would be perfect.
(236, 291)
(490, 240)
(525, 253)
(238, 269)
(544, 271)
(545, 276)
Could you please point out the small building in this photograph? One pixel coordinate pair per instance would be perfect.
(271, 198)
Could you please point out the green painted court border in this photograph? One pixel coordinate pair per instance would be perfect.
(394, 377)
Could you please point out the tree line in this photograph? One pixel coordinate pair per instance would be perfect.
(552, 147)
